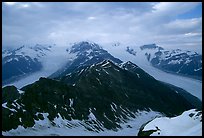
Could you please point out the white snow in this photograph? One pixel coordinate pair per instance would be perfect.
(29, 79)
(4, 105)
(104, 114)
(198, 69)
(91, 65)
(29, 50)
(91, 116)
(192, 86)
(68, 74)
(52, 61)
(116, 69)
(175, 61)
(112, 108)
(9, 60)
(6, 53)
(105, 71)
(42, 123)
(59, 121)
(89, 51)
(187, 61)
(98, 81)
(13, 104)
(20, 91)
(97, 70)
(44, 127)
(16, 59)
(105, 64)
(114, 105)
(182, 125)
(81, 71)
(90, 57)
(71, 101)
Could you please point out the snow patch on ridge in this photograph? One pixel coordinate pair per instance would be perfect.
(65, 127)
(187, 124)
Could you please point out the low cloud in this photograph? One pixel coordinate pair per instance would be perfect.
(135, 22)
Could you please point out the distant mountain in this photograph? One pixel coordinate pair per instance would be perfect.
(131, 51)
(84, 54)
(151, 46)
(22, 61)
(94, 91)
(181, 62)
(116, 44)
(177, 61)
(189, 123)
(100, 96)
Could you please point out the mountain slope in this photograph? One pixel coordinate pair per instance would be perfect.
(193, 86)
(22, 61)
(189, 97)
(130, 80)
(94, 91)
(84, 54)
(191, 125)
(177, 61)
(121, 88)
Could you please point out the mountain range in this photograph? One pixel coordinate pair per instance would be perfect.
(25, 60)
(22, 61)
(93, 90)
(183, 62)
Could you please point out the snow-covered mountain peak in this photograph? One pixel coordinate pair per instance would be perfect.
(128, 64)
(39, 47)
(151, 46)
(19, 48)
(19, 62)
(84, 46)
(35, 51)
(105, 63)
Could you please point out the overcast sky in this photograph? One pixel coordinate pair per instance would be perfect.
(175, 24)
